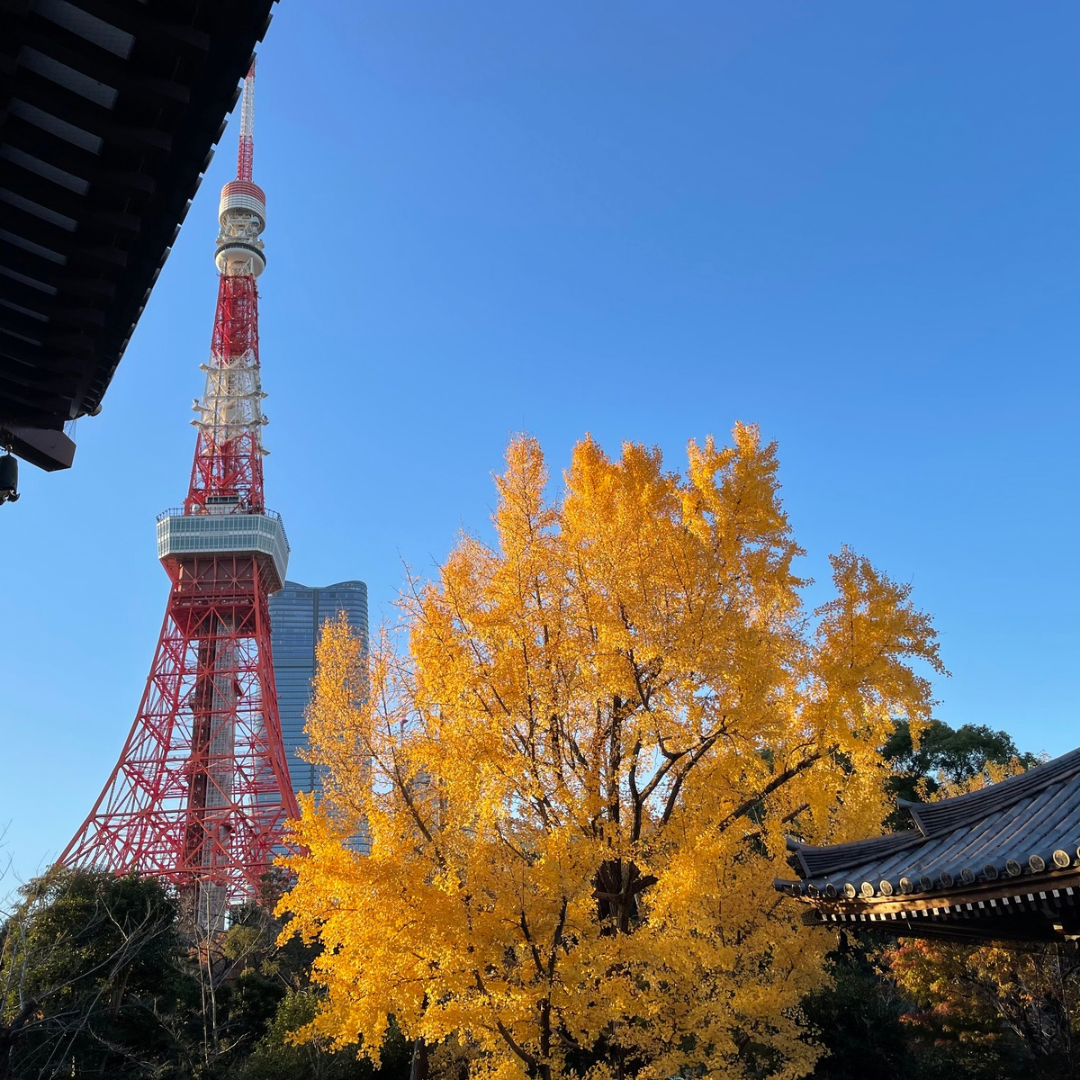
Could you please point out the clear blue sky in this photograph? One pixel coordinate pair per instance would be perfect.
(853, 223)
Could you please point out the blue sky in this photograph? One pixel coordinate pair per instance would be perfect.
(854, 224)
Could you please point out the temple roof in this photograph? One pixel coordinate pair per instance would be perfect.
(968, 867)
(108, 115)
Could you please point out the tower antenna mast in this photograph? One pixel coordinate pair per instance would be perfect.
(246, 155)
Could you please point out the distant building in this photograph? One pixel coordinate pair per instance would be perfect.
(297, 616)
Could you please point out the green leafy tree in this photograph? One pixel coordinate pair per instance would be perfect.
(247, 975)
(871, 1026)
(279, 1057)
(89, 975)
(1013, 1002)
(99, 977)
(857, 1018)
(955, 755)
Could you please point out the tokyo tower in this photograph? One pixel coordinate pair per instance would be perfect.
(201, 790)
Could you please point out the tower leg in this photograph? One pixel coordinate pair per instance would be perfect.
(201, 792)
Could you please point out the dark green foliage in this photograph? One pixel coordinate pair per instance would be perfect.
(858, 1020)
(958, 754)
(276, 1058)
(244, 976)
(100, 978)
(871, 1030)
(90, 972)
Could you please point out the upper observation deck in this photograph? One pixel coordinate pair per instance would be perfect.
(225, 529)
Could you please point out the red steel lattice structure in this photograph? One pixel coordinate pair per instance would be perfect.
(201, 792)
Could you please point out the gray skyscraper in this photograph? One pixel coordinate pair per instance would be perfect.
(297, 615)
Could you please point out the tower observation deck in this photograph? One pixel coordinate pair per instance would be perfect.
(201, 792)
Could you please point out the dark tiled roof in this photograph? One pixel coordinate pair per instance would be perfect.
(815, 862)
(934, 819)
(1026, 825)
(108, 115)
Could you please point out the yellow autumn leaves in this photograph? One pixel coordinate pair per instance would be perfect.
(577, 780)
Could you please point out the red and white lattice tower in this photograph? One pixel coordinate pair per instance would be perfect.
(201, 790)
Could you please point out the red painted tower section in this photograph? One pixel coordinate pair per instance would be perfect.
(201, 792)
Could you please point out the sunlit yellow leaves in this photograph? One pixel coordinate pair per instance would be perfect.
(578, 779)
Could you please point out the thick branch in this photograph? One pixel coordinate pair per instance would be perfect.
(774, 784)
(637, 801)
(521, 1052)
(556, 940)
(524, 923)
(676, 787)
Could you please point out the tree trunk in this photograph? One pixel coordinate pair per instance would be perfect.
(8, 1036)
(419, 1068)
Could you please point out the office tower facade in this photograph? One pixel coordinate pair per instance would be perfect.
(297, 616)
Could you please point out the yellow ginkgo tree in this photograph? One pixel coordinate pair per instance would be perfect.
(577, 779)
